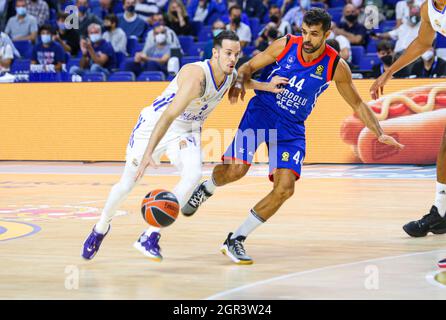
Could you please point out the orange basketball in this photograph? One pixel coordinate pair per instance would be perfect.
(160, 208)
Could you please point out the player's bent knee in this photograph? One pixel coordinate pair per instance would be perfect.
(283, 193)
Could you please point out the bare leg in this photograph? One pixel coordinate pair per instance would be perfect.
(227, 173)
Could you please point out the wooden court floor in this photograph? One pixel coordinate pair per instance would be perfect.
(339, 237)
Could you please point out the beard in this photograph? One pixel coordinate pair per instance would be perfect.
(312, 49)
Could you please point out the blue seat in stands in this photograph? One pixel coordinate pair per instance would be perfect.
(186, 42)
(357, 53)
(19, 65)
(93, 77)
(189, 59)
(368, 61)
(122, 76)
(205, 34)
(151, 76)
(25, 47)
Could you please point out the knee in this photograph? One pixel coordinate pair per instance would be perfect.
(283, 193)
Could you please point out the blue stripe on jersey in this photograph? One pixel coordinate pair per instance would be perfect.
(163, 102)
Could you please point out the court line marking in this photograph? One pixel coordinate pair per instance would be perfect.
(295, 274)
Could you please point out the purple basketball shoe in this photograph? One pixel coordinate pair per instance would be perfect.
(149, 246)
(92, 244)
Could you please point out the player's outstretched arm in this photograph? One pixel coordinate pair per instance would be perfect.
(191, 85)
(258, 62)
(422, 42)
(347, 89)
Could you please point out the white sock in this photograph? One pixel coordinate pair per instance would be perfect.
(151, 229)
(440, 198)
(250, 224)
(210, 186)
(118, 193)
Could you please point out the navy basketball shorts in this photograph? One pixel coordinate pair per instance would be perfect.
(286, 147)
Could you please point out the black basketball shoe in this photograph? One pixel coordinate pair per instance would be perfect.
(199, 196)
(432, 222)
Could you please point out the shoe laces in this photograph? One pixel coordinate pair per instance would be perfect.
(238, 246)
(198, 198)
(152, 241)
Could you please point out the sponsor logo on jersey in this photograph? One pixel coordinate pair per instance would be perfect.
(319, 70)
(291, 59)
(285, 156)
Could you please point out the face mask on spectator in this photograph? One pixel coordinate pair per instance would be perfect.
(107, 28)
(46, 38)
(216, 32)
(427, 55)
(274, 18)
(160, 38)
(387, 59)
(82, 9)
(414, 20)
(21, 11)
(95, 37)
(351, 18)
(237, 20)
(131, 9)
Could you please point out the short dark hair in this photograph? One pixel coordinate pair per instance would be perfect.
(62, 15)
(225, 35)
(235, 7)
(274, 6)
(334, 44)
(316, 16)
(112, 18)
(384, 45)
(46, 27)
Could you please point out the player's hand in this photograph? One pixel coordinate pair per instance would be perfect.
(277, 83)
(147, 161)
(237, 89)
(385, 139)
(378, 85)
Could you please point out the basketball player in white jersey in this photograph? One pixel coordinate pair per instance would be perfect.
(433, 19)
(172, 126)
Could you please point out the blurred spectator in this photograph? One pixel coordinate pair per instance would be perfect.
(253, 8)
(295, 15)
(152, 58)
(172, 38)
(287, 5)
(146, 8)
(402, 10)
(355, 33)
(271, 34)
(22, 26)
(131, 23)
(365, 16)
(386, 55)
(405, 33)
(177, 18)
(345, 50)
(275, 16)
(7, 52)
(206, 10)
(429, 66)
(85, 17)
(116, 36)
(68, 38)
(217, 27)
(4, 5)
(46, 51)
(243, 31)
(97, 54)
(38, 9)
(334, 44)
(105, 8)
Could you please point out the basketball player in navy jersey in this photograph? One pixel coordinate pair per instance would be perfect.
(310, 65)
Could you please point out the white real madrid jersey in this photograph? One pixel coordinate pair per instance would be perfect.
(437, 17)
(199, 109)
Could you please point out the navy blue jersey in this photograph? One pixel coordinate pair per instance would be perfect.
(307, 81)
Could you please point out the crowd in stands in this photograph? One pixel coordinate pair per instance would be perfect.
(120, 40)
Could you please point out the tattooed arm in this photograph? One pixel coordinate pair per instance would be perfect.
(191, 85)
